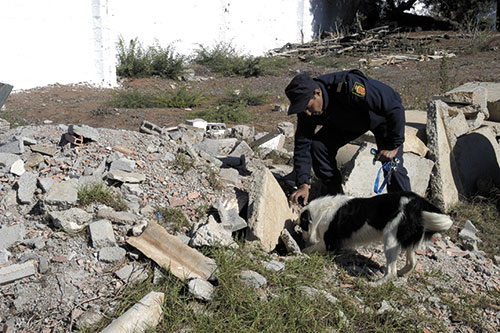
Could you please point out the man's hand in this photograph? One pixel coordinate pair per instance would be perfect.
(386, 155)
(302, 192)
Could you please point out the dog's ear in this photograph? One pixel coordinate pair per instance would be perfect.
(305, 220)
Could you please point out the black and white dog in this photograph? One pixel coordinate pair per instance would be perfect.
(401, 220)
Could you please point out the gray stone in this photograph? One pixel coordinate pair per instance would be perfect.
(27, 186)
(101, 234)
(468, 93)
(108, 213)
(132, 273)
(268, 209)
(16, 272)
(11, 235)
(211, 233)
(72, 220)
(63, 194)
(385, 307)
(43, 265)
(290, 243)
(469, 231)
(126, 177)
(201, 289)
(444, 186)
(15, 146)
(34, 160)
(7, 159)
(274, 265)
(123, 164)
(169, 157)
(252, 279)
(229, 176)
(17, 168)
(45, 149)
(45, 183)
(112, 254)
(230, 219)
(85, 131)
(458, 124)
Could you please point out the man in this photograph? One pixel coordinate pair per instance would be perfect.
(346, 104)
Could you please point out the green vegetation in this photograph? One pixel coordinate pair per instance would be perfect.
(173, 219)
(135, 61)
(137, 99)
(184, 161)
(100, 193)
(223, 58)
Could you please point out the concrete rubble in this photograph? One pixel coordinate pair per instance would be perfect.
(92, 252)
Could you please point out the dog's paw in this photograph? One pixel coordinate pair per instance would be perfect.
(405, 270)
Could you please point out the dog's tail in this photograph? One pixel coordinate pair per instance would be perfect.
(436, 222)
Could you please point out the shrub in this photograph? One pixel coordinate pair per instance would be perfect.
(244, 97)
(134, 61)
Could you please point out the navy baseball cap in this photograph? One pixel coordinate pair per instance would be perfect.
(299, 92)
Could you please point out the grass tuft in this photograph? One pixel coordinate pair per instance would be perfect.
(173, 219)
(100, 193)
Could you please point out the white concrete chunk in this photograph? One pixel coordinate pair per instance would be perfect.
(16, 272)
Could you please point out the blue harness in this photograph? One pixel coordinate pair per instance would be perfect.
(389, 167)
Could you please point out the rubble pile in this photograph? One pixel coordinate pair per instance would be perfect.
(62, 262)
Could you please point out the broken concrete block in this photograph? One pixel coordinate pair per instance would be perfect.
(230, 219)
(287, 129)
(198, 123)
(144, 315)
(216, 130)
(126, 177)
(413, 144)
(229, 176)
(211, 233)
(469, 93)
(243, 132)
(169, 252)
(476, 122)
(84, 131)
(26, 187)
(477, 155)
(123, 164)
(469, 231)
(11, 235)
(150, 128)
(45, 184)
(72, 220)
(34, 160)
(110, 214)
(274, 142)
(112, 254)
(419, 171)
(458, 124)
(201, 289)
(216, 147)
(16, 272)
(4, 256)
(444, 187)
(63, 194)
(15, 146)
(101, 233)
(242, 148)
(7, 159)
(268, 209)
(44, 149)
(132, 273)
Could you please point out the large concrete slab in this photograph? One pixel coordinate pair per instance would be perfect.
(445, 182)
(268, 209)
(468, 94)
(478, 157)
(172, 254)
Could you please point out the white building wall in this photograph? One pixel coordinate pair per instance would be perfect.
(45, 42)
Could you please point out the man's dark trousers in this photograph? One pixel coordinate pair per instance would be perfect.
(325, 144)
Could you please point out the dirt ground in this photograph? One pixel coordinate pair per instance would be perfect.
(477, 59)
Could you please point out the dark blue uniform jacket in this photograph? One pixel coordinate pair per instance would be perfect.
(352, 103)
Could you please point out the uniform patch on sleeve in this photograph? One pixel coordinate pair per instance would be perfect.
(358, 89)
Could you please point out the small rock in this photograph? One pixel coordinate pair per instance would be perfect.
(201, 289)
(112, 254)
(252, 279)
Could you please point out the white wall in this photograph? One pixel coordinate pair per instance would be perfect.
(45, 42)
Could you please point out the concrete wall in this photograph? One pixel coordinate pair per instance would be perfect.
(45, 42)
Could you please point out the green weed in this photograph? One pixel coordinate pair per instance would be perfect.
(173, 219)
(100, 193)
(135, 61)
(244, 97)
(184, 162)
(229, 114)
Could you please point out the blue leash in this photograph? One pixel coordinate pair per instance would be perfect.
(390, 167)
